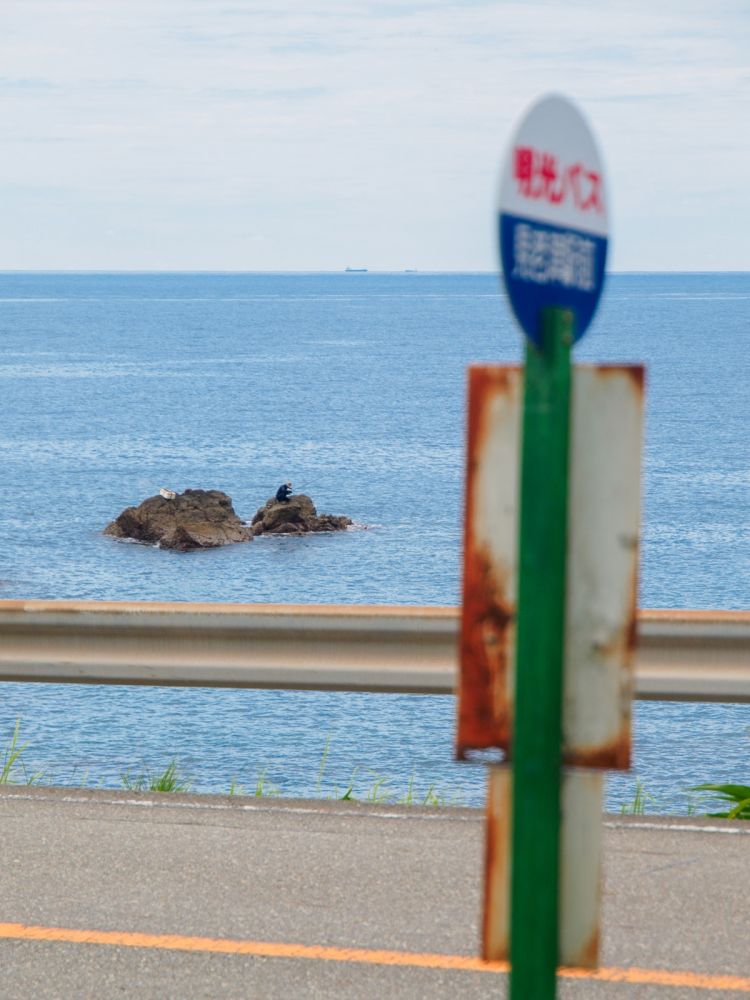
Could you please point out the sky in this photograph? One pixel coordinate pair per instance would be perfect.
(210, 135)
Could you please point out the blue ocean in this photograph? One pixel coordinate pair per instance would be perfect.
(353, 387)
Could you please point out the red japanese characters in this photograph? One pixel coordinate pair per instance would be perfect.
(539, 176)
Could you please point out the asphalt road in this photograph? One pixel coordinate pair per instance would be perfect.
(194, 897)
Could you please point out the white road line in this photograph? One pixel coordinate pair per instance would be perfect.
(679, 827)
(437, 816)
(220, 806)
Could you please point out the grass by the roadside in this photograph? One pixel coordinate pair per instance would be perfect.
(13, 769)
(361, 786)
(367, 786)
(736, 798)
(644, 802)
(168, 780)
(637, 805)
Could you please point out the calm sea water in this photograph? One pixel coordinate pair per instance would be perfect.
(352, 386)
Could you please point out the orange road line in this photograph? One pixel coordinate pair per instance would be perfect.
(366, 956)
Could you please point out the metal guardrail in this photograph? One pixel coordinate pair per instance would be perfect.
(681, 655)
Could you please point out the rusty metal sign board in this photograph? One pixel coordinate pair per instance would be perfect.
(603, 533)
(580, 867)
(488, 611)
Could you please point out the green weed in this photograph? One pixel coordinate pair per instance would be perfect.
(348, 794)
(407, 799)
(736, 797)
(433, 798)
(12, 762)
(638, 805)
(378, 790)
(169, 780)
(264, 787)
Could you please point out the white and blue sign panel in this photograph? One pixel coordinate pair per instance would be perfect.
(553, 217)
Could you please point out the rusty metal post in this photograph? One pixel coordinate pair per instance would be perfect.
(537, 739)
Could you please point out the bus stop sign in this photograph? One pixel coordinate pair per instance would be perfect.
(553, 217)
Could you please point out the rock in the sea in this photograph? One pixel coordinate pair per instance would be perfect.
(295, 516)
(195, 519)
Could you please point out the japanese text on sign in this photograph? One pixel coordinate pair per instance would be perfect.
(539, 176)
(546, 257)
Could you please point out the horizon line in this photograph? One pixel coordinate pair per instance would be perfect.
(298, 271)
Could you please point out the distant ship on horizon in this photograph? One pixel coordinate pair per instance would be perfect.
(355, 270)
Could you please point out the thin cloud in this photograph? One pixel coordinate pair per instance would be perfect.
(289, 136)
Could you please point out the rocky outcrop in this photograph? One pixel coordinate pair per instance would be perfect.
(295, 516)
(195, 519)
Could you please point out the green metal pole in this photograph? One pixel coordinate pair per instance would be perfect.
(537, 734)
